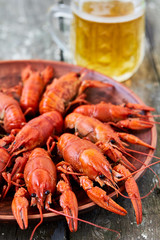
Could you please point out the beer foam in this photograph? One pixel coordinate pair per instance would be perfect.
(138, 12)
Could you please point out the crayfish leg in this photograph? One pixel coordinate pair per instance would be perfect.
(7, 140)
(117, 156)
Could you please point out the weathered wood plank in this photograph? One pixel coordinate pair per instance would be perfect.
(48, 230)
(145, 83)
(153, 32)
(24, 34)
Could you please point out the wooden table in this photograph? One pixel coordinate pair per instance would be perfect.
(24, 34)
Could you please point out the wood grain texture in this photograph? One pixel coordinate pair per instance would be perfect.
(24, 34)
(145, 83)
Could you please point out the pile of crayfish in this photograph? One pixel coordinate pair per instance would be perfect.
(52, 137)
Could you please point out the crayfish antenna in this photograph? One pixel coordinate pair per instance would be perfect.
(115, 155)
(87, 222)
(41, 220)
(139, 170)
(145, 154)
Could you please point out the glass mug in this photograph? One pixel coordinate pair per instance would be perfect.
(107, 36)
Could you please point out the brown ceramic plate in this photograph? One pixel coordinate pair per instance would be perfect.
(10, 76)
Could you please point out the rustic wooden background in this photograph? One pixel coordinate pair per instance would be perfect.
(24, 34)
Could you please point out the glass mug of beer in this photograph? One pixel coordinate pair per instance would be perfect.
(107, 36)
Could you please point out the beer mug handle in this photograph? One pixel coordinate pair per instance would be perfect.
(57, 11)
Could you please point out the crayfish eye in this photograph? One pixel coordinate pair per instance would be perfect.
(47, 192)
(130, 115)
(21, 147)
(78, 74)
(101, 176)
(112, 141)
(33, 195)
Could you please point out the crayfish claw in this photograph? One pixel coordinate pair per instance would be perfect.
(68, 202)
(136, 202)
(133, 139)
(133, 123)
(19, 208)
(132, 190)
(139, 107)
(94, 84)
(100, 197)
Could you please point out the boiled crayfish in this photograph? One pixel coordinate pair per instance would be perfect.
(122, 116)
(62, 91)
(11, 115)
(34, 83)
(85, 155)
(103, 136)
(81, 154)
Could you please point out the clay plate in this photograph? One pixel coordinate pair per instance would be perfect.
(10, 76)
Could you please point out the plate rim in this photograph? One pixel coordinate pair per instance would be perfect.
(88, 206)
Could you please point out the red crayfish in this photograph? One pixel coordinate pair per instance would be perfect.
(96, 152)
(11, 115)
(34, 83)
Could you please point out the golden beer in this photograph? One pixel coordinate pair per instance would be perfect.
(108, 36)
